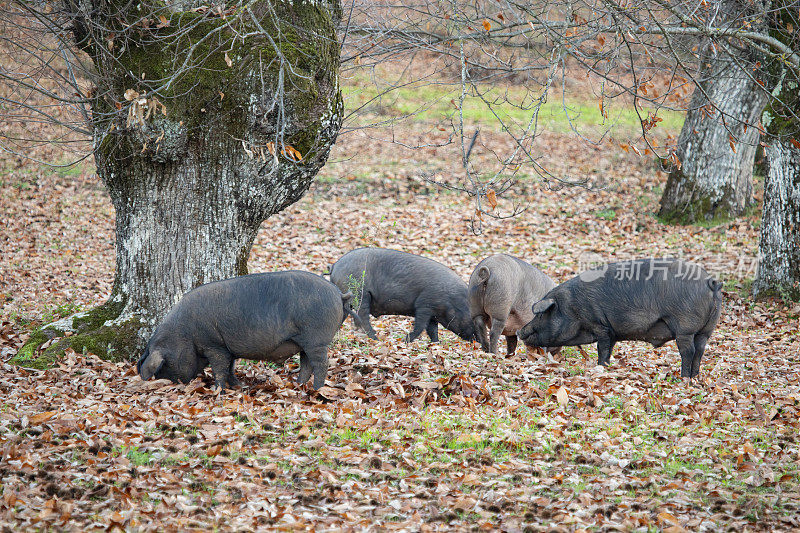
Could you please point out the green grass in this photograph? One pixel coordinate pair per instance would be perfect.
(607, 214)
(75, 169)
(509, 106)
(60, 311)
(139, 458)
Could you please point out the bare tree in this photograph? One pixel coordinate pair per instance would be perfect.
(713, 175)
(739, 55)
(203, 121)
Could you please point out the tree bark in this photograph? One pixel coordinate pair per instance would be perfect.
(196, 159)
(716, 147)
(779, 247)
(778, 272)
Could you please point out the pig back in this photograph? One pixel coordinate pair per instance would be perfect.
(395, 279)
(512, 286)
(255, 315)
(632, 296)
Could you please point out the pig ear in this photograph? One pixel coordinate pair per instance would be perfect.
(543, 305)
(151, 365)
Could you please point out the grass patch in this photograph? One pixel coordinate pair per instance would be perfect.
(502, 107)
(607, 214)
(138, 457)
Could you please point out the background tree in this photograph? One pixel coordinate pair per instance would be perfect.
(779, 245)
(645, 55)
(204, 120)
(713, 178)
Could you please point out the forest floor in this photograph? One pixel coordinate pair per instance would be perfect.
(414, 437)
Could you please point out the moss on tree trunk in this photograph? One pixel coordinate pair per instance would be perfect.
(95, 331)
(203, 128)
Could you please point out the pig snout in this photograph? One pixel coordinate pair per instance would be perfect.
(525, 334)
(467, 333)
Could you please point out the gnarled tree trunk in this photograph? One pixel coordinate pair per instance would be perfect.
(716, 147)
(194, 159)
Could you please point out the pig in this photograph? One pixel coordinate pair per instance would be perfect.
(652, 300)
(266, 317)
(502, 290)
(391, 282)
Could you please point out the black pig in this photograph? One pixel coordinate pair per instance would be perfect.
(267, 317)
(390, 282)
(653, 300)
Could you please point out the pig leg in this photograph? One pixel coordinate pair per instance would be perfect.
(318, 358)
(604, 346)
(363, 314)
(700, 341)
(232, 381)
(498, 325)
(686, 348)
(314, 360)
(422, 316)
(305, 369)
(480, 330)
(220, 360)
(511, 345)
(433, 330)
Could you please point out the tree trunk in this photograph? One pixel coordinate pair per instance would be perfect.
(714, 181)
(193, 166)
(778, 272)
(779, 247)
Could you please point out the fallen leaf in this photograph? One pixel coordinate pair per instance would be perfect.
(37, 419)
(561, 396)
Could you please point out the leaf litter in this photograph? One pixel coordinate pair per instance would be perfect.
(403, 437)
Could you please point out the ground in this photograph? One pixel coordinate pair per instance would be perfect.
(408, 437)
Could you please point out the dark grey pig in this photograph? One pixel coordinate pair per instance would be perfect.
(266, 317)
(390, 282)
(502, 290)
(653, 300)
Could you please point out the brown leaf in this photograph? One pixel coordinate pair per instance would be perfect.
(667, 517)
(292, 153)
(427, 385)
(487, 25)
(37, 419)
(214, 450)
(491, 198)
(331, 393)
